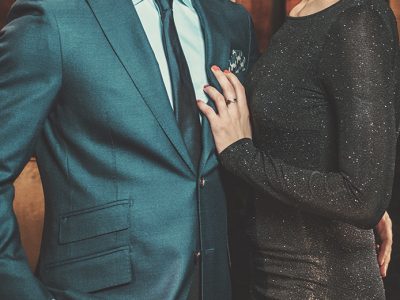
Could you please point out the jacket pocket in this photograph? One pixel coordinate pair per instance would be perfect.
(91, 273)
(96, 221)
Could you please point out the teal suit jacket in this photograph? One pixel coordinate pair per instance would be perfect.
(80, 88)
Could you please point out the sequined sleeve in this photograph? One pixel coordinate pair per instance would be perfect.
(357, 73)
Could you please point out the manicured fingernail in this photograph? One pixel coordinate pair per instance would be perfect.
(227, 72)
(206, 86)
(215, 68)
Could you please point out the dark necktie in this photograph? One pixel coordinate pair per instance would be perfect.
(184, 97)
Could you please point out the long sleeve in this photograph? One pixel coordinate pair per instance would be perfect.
(30, 78)
(357, 72)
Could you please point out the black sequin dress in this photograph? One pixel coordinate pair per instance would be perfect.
(323, 101)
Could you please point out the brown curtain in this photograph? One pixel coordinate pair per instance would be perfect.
(396, 8)
(4, 6)
(268, 15)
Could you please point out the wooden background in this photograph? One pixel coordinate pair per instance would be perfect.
(268, 16)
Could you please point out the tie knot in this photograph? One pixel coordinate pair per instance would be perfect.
(164, 5)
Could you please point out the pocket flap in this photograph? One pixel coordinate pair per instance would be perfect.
(92, 273)
(92, 222)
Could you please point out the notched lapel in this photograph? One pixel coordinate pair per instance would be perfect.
(122, 27)
(218, 50)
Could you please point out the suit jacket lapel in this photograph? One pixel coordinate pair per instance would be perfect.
(122, 27)
(217, 53)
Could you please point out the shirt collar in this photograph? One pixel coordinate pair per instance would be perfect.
(188, 3)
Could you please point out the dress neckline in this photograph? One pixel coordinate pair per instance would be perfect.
(321, 12)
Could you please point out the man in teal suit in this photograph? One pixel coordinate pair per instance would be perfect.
(132, 212)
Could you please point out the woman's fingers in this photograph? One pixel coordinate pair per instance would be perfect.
(207, 111)
(239, 89)
(227, 88)
(384, 257)
(385, 236)
(218, 98)
(240, 93)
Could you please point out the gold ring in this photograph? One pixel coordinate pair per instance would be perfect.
(229, 101)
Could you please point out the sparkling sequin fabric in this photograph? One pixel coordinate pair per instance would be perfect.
(323, 101)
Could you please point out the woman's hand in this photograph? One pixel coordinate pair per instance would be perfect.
(232, 121)
(385, 240)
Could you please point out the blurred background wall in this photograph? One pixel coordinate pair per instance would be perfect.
(268, 15)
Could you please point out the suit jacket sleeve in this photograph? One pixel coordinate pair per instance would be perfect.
(30, 76)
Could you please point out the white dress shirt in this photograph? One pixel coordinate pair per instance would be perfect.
(190, 35)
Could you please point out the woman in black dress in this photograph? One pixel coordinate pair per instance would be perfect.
(323, 101)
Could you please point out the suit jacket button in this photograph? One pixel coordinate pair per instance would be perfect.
(202, 182)
(197, 257)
